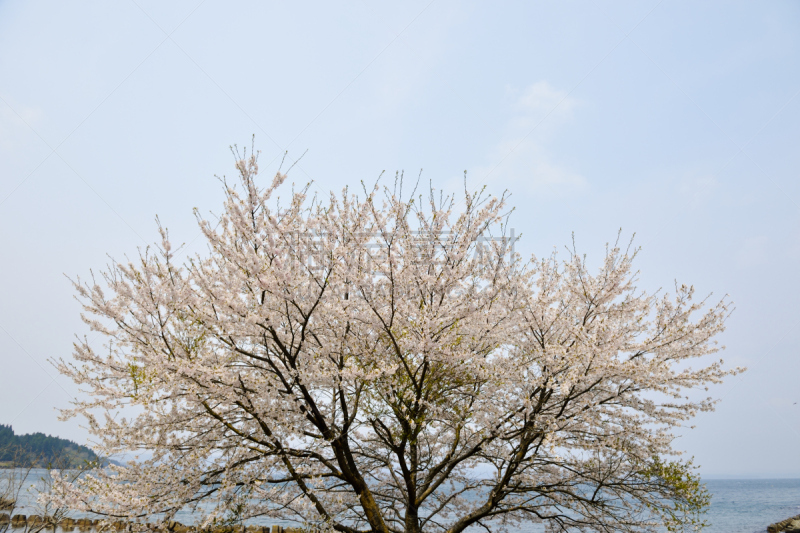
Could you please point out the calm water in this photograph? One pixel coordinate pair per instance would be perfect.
(737, 506)
(744, 505)
(750, 505)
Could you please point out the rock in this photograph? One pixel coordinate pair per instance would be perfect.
(7, 503)
(790, 524)
(106, 525)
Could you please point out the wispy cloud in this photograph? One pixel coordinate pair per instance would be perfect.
(520, 160)
(531, 169)
(697, 188)
(16, 126)
(542, 98)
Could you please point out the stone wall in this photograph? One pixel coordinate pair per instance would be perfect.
(790, 524)
(20, 521)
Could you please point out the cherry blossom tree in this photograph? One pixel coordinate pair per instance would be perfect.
(388, 363)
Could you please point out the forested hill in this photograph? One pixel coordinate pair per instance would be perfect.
(41, 450)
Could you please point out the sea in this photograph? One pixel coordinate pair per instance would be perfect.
(737, 505)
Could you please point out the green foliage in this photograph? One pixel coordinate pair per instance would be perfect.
(685, 498)
(40, 450)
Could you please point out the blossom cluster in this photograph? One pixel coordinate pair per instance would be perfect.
(380, 363)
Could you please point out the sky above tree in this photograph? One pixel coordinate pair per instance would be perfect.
(674, 121)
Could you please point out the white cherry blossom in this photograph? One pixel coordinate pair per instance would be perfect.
(383, 363)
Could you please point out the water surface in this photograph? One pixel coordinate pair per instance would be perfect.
(737, 505)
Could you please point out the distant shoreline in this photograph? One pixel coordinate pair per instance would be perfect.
(42, 451)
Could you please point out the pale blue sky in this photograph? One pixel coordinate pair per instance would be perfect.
(674, 120)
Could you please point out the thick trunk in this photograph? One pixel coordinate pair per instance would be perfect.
(350, 470)
(371, 509)
(412, 512)
(412, 520)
